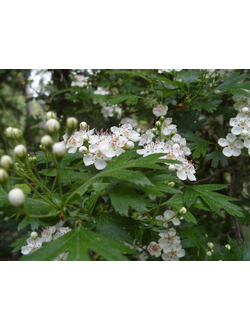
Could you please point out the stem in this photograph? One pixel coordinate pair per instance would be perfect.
(59, 182)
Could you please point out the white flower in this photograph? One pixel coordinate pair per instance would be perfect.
(234, 145)
(154, 249)
(32, 246)
(169, 216)
(186, 170)
(61, 231)
(160, 110)
(146, 138)
(174, 255)
(16, 197)
(167, 127)
(46, 234)
(151, 148)
(75, 141)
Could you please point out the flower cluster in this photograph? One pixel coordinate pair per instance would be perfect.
(168, 246)
(34, 242)
(165, 139)
(99, 148)
(111, 111)
(240, 132)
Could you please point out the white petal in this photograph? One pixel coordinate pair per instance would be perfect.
(181, 253)
(231, 137)
(176, 222)
(228, 152)
(236, 152)
(238, 144)
(100, 164)
(222, 142)
(247, 143)
(182, 175)
(191, 177)
(88, 160)
(236, 130)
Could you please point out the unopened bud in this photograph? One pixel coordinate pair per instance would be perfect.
(50, 114)
(59, 149)
(162, 118)
(244, 133)
(129, 145)
(47, 141)
(20, 151)
(83, 125)
(245, 110)
(17, 133)
(227, 246)
(85, 138)
(171, 184)
(71, 123)
(182, 210)
(158, 124)
(16, 197)
(209, 253)
(34, 235)
(171, 168)
(83, 150)
(210, 245)
(3, 175)
(6, 161)
(153, 130)
(53, 125)
(8, 132)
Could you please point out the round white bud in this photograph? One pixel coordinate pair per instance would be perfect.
(210, 245)
(83, 150)
(171, 168)
(52, 125)
(16, 133)
(182, 210)
(227, 246)
(59, 149)
(16, 197)
(50, 114)
(6, 161)
(85, 138)
(158, 124)
(3, 175)
(244, 133)
(209, 253)
(245, 110)
(171, 184)
(20, 151)
(83, 125)
(9, 132)
(129, 145)
(47, 141)
(34, 235)
(71, 123)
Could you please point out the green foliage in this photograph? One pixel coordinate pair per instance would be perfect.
(199, 145)
(217, 156)
(235, 86)
(235, 254)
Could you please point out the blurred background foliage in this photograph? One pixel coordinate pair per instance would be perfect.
(104, 98)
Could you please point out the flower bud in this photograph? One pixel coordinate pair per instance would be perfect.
(17, 133)
(129, 145)
(50, 114)
(171, 168)
(83, 125)
(162, 118)
(8, 132)
(34, 235)
(16, 197)
(244, 133)
(71, 123)
(210, 245)
(171, 184)
(47, 141)
(158, 124)
(59, 149)
(227, 246)
(85, 138)
(153, 130)
(182, 210)
(245, 110)
(83, 150)
(3, 175)
(6, 161)
(209, 253)
(20, 151)
(53, 125)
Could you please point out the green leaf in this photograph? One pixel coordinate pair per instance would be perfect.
(235, 254)
(234, 85)
(130, 99)
(214, 201)
(18, 244)
(217, 156)
(189, 75)
(24, 187)
(123, 196)
(3, 196)
(172, 82)
(78, 242)
(209, 106)
(193, 237)
(199, 145)
(116, 227)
